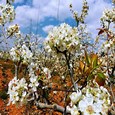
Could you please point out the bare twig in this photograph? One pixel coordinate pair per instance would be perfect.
(54, 107)
(64, 90)
(70, 69)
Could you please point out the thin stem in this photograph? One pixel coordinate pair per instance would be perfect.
(65, 104)
(70, 69)
(77, 21)
(64, 90)
(16, 71)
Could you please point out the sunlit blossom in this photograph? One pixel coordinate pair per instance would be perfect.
(17, 90)
(7, 14)
(92, 101)
(75, 96)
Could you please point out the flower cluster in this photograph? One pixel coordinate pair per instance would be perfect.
(26, 54)
(47, 72)
(7, 14)
(17, 90)
(14, 53)
(20, 90)
(108, 16)
(33, 77)
(63, 38)
(13, 31)
(106, 53)
(21, 53)
(83, 13)
(108, 44)
(92, 100)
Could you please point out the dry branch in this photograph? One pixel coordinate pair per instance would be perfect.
(54, 107)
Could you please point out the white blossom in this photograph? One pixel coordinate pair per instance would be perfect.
(7, 14)
(17, 90)
(63, 38)
(75, 96)
(13, 31)
(91, 101)
(21, 52)
(74, 111)
(47, 72)
(34, 83)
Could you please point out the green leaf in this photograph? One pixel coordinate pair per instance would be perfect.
(94, 60)
(87, 58)
(90, 77)
(101, 75)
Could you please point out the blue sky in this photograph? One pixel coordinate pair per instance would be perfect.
(39, 16)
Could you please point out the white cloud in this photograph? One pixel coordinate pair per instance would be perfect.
(46, 8)
(2, 1)
(47, 28)
(95, 12)
(24, 15)
(49, 8)
(42, 9)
